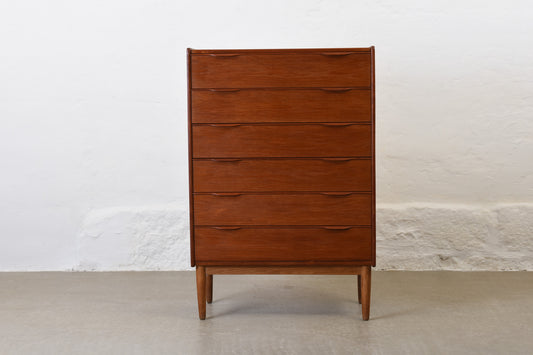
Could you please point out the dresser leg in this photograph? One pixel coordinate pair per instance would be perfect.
(365, 291)
(200, 289)
(209, 288)
(359, 289)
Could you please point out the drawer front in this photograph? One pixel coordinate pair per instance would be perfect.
(282, 209)
(249, 175)
(283, 244)
(274, 105)
(312, 140)
(333, 69)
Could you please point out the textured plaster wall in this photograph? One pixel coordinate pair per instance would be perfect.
(93, 144)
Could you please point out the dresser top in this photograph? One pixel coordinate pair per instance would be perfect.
(279, 51)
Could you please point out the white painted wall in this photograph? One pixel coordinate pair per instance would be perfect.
(93, 163)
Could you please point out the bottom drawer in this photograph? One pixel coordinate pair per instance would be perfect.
(329, 243)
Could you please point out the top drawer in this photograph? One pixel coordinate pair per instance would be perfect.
(320, 69)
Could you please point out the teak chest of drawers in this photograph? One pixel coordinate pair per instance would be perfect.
(281, 161)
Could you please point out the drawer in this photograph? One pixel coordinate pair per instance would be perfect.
(280, 105)
(249, 175)
(305, 140)
(283, 209)
(284, 244)
(241, 70)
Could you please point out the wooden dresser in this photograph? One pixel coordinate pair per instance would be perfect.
(281, 160)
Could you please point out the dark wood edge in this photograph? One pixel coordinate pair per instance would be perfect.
(287, 270)
(333, 263)
(271, 226)
(289, 158)
(189, 127)
(277, 158)
(270, 193)
(283, 88)
(282, 193)
(373, 86)
(236, 124)
(279, 51)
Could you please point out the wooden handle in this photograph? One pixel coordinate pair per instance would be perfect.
(225, 160)
(336, 89)
(225, 125)
(337, 159)
(225, 55)
(337, 194)
(224, 90)
(226, 194)
(227, 228)
(337, 228)
(337, 124)
(336, 54)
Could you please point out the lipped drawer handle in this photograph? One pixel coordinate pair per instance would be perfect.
(226, 194)
(336, 54)
(337, 159)
(226, 228)
(336, 194)
(224, 90)
(336, 89)
(225, 55)
(225, 125)
(225, 160)
(337, 124)
(337, 228)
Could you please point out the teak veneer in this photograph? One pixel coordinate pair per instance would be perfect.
(282, 164)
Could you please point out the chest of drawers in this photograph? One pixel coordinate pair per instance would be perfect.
(281, 161)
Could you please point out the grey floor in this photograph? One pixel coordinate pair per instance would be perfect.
(155, 313)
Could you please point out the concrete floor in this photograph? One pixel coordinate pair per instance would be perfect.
(155, 313)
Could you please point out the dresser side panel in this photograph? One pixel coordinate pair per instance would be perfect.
(190, 160)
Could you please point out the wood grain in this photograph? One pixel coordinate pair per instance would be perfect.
(209, 288)
(281, 70)
(303, 244)
(249, 175)
(284, 270)
(286, 263)
(282, 164)
(277, 140)
(200, 290)
(373, 137)
(189, 133)
(270, 105)
(365, 291)
(282, 209)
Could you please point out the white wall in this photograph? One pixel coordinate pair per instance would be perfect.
(93, 125)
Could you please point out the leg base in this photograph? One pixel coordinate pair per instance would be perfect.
(365, 292)
(209, 288)
(200, 290)
(204, 280)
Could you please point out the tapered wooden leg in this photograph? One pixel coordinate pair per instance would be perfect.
(200, 290)
(209, 288)
(359, 288)
(365, 292)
